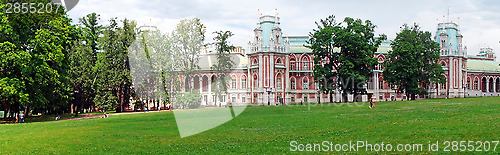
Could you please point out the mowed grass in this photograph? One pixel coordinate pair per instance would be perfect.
(266, 129)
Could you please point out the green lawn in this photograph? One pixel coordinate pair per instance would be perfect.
(266, 129)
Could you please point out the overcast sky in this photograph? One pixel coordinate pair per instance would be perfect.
(479, 20)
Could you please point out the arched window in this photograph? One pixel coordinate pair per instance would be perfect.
(278, 81)
(243, 82)
(483, 84)
(305, 62)
(196, 82)
(255, 82)
(292, 83)
(468, 83)
(498, 85)
(278, 61)
(292, 63)
(305, 83)
(233, 82)
(476, 84)
(205, 84)
(255, 62)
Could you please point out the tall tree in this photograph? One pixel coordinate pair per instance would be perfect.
(113, 80)
(326, 58)
(83, 71)
(35, 60)
(188, 40)
(412, 63)
(92, 31)
(159, 61)
(223, 65)
(349, 67)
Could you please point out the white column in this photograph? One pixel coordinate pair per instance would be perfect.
(271, 78)
(487, 85)
(287, 79)
(450, 76)
(261, 67)
(494, 86)
(209, 97)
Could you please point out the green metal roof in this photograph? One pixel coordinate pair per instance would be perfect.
(299, 49)
(384, 48)
(483, 65)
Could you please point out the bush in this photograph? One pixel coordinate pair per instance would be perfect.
(191, 99)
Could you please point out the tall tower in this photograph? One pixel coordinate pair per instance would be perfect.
(268, 69)
(453, 59)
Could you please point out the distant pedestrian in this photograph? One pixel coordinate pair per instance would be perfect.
(372, 102)
(21, 116)
(301, 102)
(58, 118)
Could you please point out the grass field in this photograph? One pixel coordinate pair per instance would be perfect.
(267, 129)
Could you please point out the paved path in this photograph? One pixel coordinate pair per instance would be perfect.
(123, 113)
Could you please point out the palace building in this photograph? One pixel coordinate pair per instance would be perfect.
(279, 69)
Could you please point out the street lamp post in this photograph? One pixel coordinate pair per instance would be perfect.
(268, 95)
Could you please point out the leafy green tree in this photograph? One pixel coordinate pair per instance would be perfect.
(35, 60)
(190, 99)
(224, 64)
(326, 58)
(188, 40)
(83, 57)
(349, 67)
(160, 61)
(113, 79)
(412, 63)
(165, 62)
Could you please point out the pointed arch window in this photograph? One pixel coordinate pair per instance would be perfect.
(243, 82)
(305, 62)
(278, 81)
(233, 82)
(305, 83)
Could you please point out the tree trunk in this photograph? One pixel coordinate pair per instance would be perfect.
(5, 109)
(26, 110)
(344, 97)
(331, 97)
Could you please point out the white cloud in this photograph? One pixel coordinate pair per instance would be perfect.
(479, 19)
